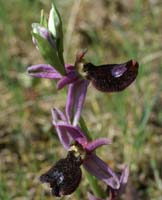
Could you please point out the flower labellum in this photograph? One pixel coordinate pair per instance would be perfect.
(111, 77)
(108, 77)
(64, 177)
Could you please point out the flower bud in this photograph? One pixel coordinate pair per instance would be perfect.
(46, 43)
(55, 27)
(44, 33)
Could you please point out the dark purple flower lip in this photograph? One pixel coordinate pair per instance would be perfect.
(64, 177)
(108, 77)
(111, 77)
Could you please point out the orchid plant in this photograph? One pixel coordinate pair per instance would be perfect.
(65, 175)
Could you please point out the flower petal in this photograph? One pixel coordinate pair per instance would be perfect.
(91, 146)
(70, 102)
(76, 96)
(124, 176)
(80, 95)
(43, 71)
(57, 115)
(74, 132)
(92, 197)
(100, 169)
(114, 193)
(64, 137)
(71, 77)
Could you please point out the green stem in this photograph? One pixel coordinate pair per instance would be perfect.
(96, 188)
(84, 128)
(78, 193)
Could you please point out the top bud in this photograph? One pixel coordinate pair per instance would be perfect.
(54, 22)
(55, 27)
(48, 38)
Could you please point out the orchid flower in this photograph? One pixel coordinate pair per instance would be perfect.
(106, 78)
(80, 152)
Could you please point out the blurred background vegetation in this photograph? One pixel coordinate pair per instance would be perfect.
(114, 32)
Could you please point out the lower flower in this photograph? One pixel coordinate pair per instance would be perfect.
(64, 177)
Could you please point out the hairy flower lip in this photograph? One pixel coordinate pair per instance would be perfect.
(64, 176)
(112, 77)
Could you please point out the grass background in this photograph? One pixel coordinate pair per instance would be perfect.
(114, 32)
